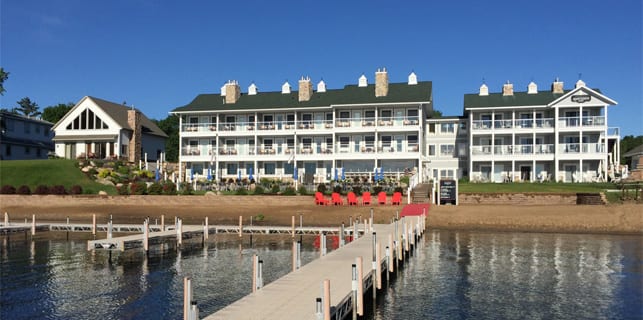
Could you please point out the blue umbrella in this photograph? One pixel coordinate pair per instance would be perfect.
(294, 173)
(158, 176)
(239, 175)
(343, 174)
(336, 174)
(191, 175)
(375, 176)
(381, 174)
(210, 173)
(250, 177)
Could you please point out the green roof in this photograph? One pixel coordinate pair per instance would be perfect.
(518, 99)
(350, 94)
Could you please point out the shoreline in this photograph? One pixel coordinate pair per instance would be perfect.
(279, 210)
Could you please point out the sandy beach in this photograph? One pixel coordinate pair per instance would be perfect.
(278, 210)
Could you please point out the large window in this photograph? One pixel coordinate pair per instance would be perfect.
(447, 128)
(431, 150)
(232, 168)
(447, 150)
(269, 168)
(343, 142)
(344, 114)
(290, 119)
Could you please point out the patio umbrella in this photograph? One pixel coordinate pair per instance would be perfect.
(191, 175)
(250, 177)
(343, 174)
(209, 173)
(158, 176)
(239, 175)
(381, 174)
(336, 174)
(294, 173)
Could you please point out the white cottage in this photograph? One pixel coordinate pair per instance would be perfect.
(96, 128)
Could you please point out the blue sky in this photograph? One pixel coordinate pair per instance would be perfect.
(158, 55)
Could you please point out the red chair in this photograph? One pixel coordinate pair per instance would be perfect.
(320, 199)
(397, 198)
(381, 197)
(336, 199)
(352, 199)
(366, 198)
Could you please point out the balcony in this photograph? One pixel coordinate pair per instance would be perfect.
(577, 148)
(509, 150)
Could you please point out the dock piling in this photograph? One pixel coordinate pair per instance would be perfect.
(6, 218)
(33, 225)
(360, 285)
(354, 289)
(326, 299)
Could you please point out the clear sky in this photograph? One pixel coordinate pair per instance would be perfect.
(158, 55)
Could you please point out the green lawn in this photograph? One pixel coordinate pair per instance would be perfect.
(48, 172)
(549, 187)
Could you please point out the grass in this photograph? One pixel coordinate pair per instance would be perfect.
(48, 172)
(547, 187)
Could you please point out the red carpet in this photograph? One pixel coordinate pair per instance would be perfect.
(415, 209)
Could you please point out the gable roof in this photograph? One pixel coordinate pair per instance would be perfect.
(350, 94)
(118, 113)
(636, 151)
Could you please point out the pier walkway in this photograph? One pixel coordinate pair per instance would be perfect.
(294, 296)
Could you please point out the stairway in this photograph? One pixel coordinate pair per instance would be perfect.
(421, 193)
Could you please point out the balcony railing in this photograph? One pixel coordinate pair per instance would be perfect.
(594, 121)
(613, 131)
(571, 148)
(519, 149)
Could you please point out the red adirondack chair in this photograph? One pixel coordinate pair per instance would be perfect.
(366, 198)
(352, 199)
(320, 199)
(381, 197)
(397, 198)
(336, 199)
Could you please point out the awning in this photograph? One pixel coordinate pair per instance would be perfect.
(97, 137)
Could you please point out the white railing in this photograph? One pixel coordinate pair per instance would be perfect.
(565, 122)
(613, 131)
(594, 121)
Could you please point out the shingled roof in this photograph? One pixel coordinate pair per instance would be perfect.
(518, 99)
(118, 112)
(350, 94)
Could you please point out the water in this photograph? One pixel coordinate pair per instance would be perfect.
(482, 275)
(453, 275)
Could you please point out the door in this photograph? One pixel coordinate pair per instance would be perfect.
(357, 143)
(280, 143)
(309, 172)
(485, 173)
(497, 173)
(280, 120)
(318, 145)
(525, 173)
(570, 173)
(357, 117)
(399, 143)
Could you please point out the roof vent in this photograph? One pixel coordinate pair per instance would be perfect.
(223, 90)
(484, 90)
(580, 83)
(362, 81)
(285, 88)
(557, 86)
(252, 89)
(508, 89)
(321, 86)
(532, 88)
(413, 79)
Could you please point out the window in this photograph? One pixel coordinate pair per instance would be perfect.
(267, 143)
(306, 142)
(447, 128)
(463, 126)
(431, 127)
(329, 117)
(230, 119)
(369, 114)
(37, 128)
(386, 115)
(412, 113)
(344, 114)
(369, 142)
(269, 168)
(386, 141)
(290, 119)
(412, 139)
(232, 168)
(447, 150)
(291, 143)
(446, 174)
(267, 118)
(431, 150)
(27, 127)
(343, 142)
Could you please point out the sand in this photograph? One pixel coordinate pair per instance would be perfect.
(279, 210)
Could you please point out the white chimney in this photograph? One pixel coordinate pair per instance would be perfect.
(285, 88)
(532, 88)
(223, 90)
(413, 79)
(580, 83)
(484, 90)
(321, 86)
(252, 89)
(362, 81)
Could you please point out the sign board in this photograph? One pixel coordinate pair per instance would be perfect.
(448, 192)
(581, 98)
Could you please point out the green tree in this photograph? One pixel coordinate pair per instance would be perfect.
(28, 107)
(3, 76)
(628, 143)
(55, 113)
(170, 126)
(436, 114)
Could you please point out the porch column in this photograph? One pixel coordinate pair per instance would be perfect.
(556, 164)
(180, 149)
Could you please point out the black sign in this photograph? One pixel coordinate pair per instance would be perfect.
(448, 193)
(581, 98)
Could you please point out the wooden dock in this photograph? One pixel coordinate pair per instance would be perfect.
(294, 296)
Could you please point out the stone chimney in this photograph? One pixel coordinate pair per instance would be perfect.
(232, 92)
(252, 89)
(557, 87)
(507, 89)
(532, 88)
(305, 89)
(321, 86)
(381, 83)
(134, 147)
(484, 90)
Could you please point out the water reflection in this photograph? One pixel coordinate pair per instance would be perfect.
(478, 275)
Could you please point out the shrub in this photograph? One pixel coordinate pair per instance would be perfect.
(123, 169)
(274, 188)
(91, 173)
(58, 189)
(8, 189)
(302, 190)
(23, 189)
(104, 173)
(145, 174)
(76, 189)
(357, 189)
(337, 188)
(123, 189)
(377, 189)
(242, 192)
(321, 188)
(399, 189)
(186, 188)
(41, 189)
(138, 188)
(290, 191)
(259, 190)
(169, 188)
(155, 188)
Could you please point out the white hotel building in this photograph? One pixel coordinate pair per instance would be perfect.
(319, 132)
(556, 135)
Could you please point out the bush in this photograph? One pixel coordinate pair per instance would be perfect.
(302, 190)
(399, 189)
(8, 189)
(138, 188)
(92, 173)
(377, 189)
(76, 189)
(259, 190)
(58, 189)
(337, 188)
(24, 189)
(186, 188)
(275, 188)
(241, 192)
(123, 169)
(290, 191)
(146, 174)
(155, 188)
(169, 188)
(321, 188)
(41, 189)
(123, 189)
(104, 173)
(357, 189)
